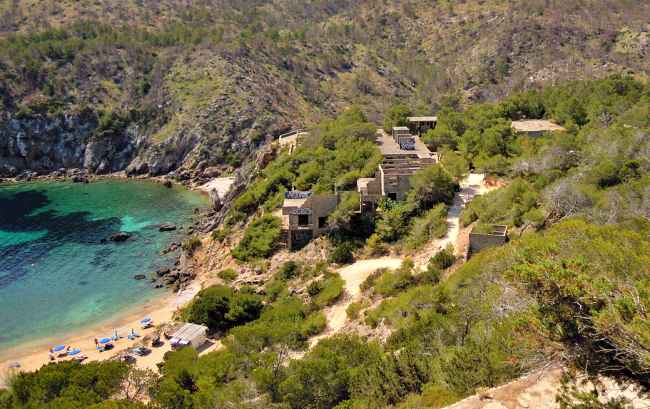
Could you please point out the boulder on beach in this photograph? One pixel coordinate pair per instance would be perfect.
(167, 227)
(120, 236)
(163, 271)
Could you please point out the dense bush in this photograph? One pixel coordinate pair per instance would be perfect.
(514, 205)
(431, 225)
(227, 275)
(342, 253)
(444, 258)
(66, 385)
(397, 115)
(430, 186)
(326, 291)
(221, 308)
(261, 239)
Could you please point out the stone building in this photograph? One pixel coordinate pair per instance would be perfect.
(403, 154)
(304, 216)
(536, 127)
(497, 235)
(421, 124)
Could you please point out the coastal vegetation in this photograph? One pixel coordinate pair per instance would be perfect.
(571, 286)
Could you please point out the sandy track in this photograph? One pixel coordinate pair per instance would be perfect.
(353, 275)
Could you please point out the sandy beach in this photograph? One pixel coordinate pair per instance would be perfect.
(32, 356)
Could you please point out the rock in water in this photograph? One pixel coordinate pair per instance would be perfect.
(139, 276)
(120, 236)
(167, 227)
(163, 271)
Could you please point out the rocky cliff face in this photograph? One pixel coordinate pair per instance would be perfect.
(47, 144)
(193, 131)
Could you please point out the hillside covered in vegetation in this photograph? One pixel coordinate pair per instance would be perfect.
(571, 287)
(166, 86)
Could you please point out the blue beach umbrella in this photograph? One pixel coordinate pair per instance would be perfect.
(145, 321)
(104, 340)
(58, 348)
(74, 352)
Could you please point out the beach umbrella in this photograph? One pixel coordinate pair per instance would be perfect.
(58, 348)
(104, 340)
(74, 351)
(145, 321)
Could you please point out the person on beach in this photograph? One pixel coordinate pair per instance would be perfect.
(96, 342)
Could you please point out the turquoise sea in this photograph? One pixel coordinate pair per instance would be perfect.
(56, 274)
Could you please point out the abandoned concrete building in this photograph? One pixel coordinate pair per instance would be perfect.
(403, 154)
(421, 124)
(497, 235)
(536, 127)
(304, 216)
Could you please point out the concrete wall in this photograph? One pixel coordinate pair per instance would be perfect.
(299, 238)
(478, 241)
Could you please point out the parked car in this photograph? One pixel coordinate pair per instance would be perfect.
(140, 351)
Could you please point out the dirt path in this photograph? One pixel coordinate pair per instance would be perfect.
(353, 275)
(473, 185)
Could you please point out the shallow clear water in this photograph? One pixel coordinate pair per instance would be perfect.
(56, 275)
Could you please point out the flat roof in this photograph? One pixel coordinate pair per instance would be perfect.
(294, 202)
(423, 119)
(388, 146)
(400, 128)
(189, 331)
(536, 125)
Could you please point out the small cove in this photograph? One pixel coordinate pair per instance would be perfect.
(56, 274)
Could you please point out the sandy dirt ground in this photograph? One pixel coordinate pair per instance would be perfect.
(539, 389)
(222, 185)
(161, 310)
(473, 185)
(353, 275)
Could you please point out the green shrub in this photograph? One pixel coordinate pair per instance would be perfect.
(397, 115)
(342, 253)
(282, 323)
(288, 270)
(315, 287)
(444, 258)
(375, 246)
(431, 225)
(331, 289)
(431, 275)
(221, 234)
(430, 186)
(76, 385)
(227, 275)
(260, 239)
(370, 281)
(353, 310)
(314, 324)
(221, 308)
(393, 282)
(192, 244)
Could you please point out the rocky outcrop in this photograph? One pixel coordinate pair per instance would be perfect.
(167, 227)
(120, 236)
(45, 144)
